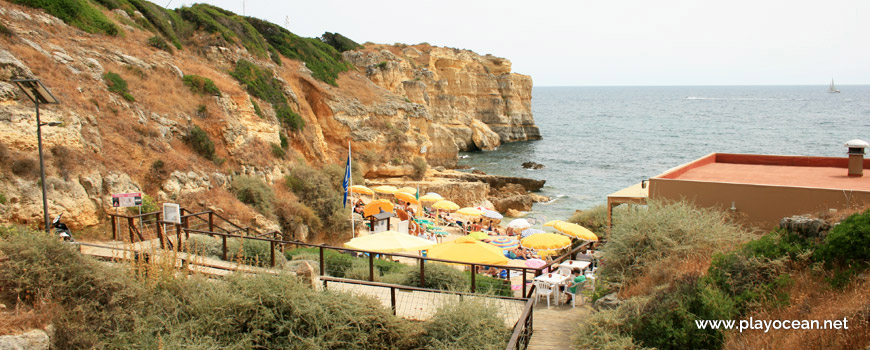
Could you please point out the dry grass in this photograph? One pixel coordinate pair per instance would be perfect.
(219, 198)
(24, 318)
(812, 299)
(668, 270)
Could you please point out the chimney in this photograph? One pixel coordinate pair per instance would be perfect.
(856, 157)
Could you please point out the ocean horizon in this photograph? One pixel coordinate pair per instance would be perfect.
(600, 139)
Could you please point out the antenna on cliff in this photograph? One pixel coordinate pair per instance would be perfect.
(287, 22)
(243, 7)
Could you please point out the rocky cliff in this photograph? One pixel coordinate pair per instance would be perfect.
(475, 102)
(263, 100)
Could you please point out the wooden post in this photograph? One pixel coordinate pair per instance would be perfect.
(178, 237)
(524, 283)
(322, 264)
(422, 273)
(210, 221)
(224, 247)
(393, 299)
(130, 224)
(272, 253)
(114, 228)
(160, 233)
(473, 273)
(371, 267)
(185, 223)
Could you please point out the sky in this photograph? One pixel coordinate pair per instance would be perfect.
(611, 42)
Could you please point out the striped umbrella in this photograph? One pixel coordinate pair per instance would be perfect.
(505, 243)
(531, 231)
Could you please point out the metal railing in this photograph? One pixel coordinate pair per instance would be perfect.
(523, 330)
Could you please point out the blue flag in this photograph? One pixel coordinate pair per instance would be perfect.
(346, 182)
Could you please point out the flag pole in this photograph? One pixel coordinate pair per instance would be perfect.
(350, 164)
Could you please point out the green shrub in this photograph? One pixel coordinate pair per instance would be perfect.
(105, 307)
(277, 151)
(200, 142)
(779, 244)
(202, 111)
(166, 21)
(148, 206)
(259, 82)
(257, 110)
(2, 198)
(283, 139)
(118, 85)
(77, 13)
(293, 215)
(848, 243)
(323, 60)
(420, 166)
(5, 31)
(231, 27)
(339, 42)
(254, 192)
(158, 42)
(643, 238)
(594, 219)
(336, 263)
(439, 276)
(201, 85)
(467, 324)
(316, 190)
(288, 117)
(252, 252)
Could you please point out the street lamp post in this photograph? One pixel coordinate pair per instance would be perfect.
(38, 93)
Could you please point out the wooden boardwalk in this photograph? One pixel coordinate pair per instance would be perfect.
(555, 327)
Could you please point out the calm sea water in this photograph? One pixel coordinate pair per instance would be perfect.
(598, 140)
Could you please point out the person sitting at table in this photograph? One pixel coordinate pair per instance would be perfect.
(583, 256)
(577, 278)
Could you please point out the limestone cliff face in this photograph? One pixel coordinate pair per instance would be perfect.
(474, 100)
(401, 103)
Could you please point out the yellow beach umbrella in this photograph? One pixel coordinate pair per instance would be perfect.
(409, 190)
(470, 212)
(361, 190)
(576, 231)
(431, 197)
(445, 205)
(376, 206)
(552, 223)
(407, 197)
(469, 250)
(386, 189)
(546, 241)
(389, 242)
(478, 235)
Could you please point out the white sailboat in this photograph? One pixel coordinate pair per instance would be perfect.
(833, 88)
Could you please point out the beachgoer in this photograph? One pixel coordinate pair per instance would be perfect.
(575, 280)
(583, 255)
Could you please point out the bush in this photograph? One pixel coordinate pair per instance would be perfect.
(595, 219)
(317, 191)
(467, 324)
(420, 166)
(77, 13)
(257, 110)
(283, 139)
(104, 307)
(4, 31)
(288, 117)
(158, 43)
(848, 243)
(254, 192)
(117, 85)
(26, 167)
(200, 142)
(293, 215)
(201, 85)
(339, 42)
(277, 151)
(642, 239)
(259, 82)
(2, 198)
(252, 252)
(439, 276)
(148, 206)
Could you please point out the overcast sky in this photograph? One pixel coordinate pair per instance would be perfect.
(612, 42)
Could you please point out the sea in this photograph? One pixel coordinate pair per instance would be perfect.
(598, 140)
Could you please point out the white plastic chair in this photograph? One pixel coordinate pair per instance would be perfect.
(574, 296)
(543, 288)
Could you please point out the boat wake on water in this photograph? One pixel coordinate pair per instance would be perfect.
(742, 99)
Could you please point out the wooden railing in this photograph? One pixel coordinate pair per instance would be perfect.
(523, 329)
